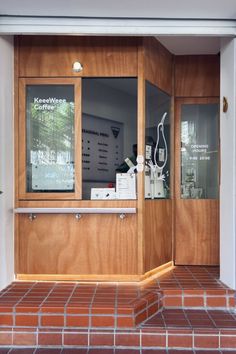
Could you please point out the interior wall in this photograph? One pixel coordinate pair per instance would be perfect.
(6, 161)
(105, 102)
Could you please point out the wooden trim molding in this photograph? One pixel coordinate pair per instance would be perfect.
(21, 154)
(141, 279)
(75, 210)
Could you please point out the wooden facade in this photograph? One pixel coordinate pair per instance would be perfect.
(105, 247)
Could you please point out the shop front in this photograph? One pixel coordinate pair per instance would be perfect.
(116, 158)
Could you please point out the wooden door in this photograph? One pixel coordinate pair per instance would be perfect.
(197, 181)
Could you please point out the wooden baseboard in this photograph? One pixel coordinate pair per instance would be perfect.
(83, 278)
(154, 273)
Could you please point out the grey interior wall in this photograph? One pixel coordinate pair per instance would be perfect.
(111, 103)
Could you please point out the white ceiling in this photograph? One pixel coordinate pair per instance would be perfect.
(173, 9)
(191, 45)
(205, 9)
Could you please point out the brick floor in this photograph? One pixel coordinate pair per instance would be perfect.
(185, 310)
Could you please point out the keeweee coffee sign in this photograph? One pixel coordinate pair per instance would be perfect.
(47, 104)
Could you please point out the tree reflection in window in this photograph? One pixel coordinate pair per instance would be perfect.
(50, 138)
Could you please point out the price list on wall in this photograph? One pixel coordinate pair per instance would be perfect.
(102, 148)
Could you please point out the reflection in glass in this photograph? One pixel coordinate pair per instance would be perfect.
(157, 141)
(199, 151)
(109, 136)
(50, 138)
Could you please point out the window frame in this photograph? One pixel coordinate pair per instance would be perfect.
(22, 168)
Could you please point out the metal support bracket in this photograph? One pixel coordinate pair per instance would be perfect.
(32, 217)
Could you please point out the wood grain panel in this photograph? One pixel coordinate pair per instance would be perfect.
(158, 64)
(61, 244)
(197, 230)
(158, 233)
(141, 152)
(197, 76)
(47, 56)
(16, 120)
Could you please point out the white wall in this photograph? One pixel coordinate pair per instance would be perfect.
(6, 161)
(228, 164)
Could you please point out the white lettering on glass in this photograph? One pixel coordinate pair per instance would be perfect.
(47, 104)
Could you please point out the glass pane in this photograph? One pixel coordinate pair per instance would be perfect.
(157, 141)
(50, 138)
(199, 151)
(109, 137)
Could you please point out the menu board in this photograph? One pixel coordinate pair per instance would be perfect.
(102, 148)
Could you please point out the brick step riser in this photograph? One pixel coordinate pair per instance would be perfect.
(197, 299)
(171, 339)
(97, 317)
(78, 321)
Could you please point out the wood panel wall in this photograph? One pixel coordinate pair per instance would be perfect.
(61, 244)
(197, 76)
(105, 244)
(53, 56)
(158, 233)
(197, 230)
(158, 64)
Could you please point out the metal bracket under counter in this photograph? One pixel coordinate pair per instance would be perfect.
(77, 211)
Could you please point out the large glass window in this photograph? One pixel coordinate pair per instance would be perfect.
(50, 138)
(157, 143)
(109, 138)
(199, 151)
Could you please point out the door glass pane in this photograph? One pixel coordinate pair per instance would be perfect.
(157, 141)
(109, 138)
(199, 151)
(50, 138)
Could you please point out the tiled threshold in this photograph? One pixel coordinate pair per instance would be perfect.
(187, 308)
(106, 351)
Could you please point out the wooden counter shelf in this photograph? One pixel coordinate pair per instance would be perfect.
(75, 211)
